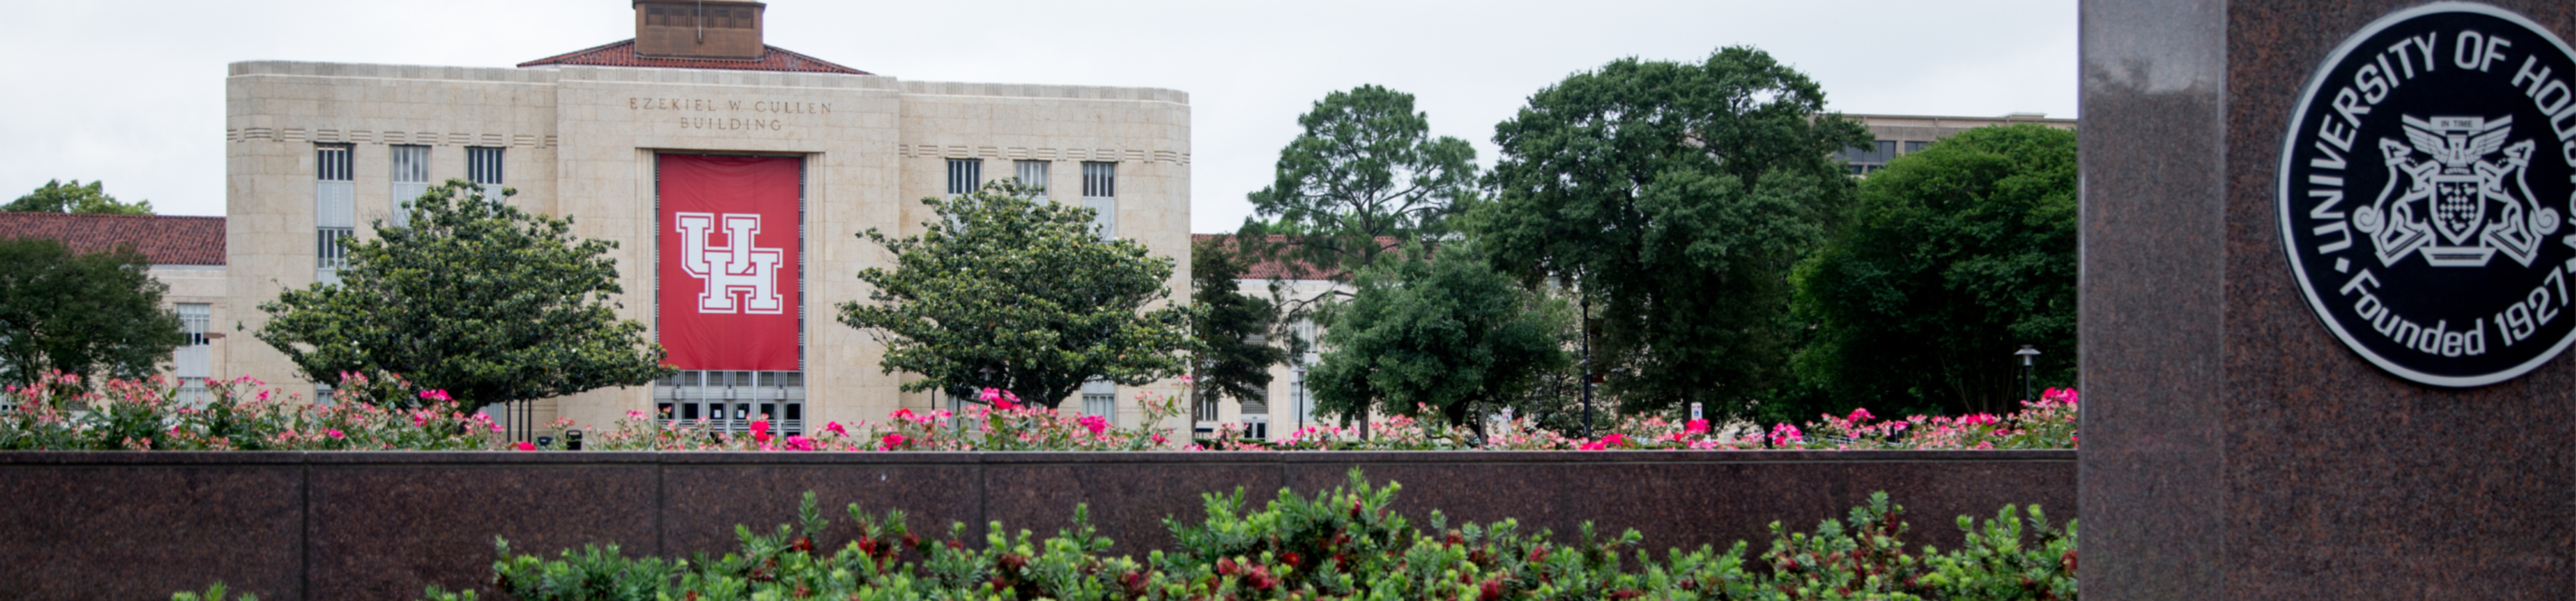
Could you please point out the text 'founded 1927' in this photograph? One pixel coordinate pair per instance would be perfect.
(2425, 189)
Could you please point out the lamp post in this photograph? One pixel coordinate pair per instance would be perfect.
(2026, 353)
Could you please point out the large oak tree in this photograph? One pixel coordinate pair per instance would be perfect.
(1953, 257)
(1673, 198)
(1007, 291)
(93, 315)
(475, 297)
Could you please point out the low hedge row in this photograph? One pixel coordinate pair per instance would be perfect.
(1342, 543)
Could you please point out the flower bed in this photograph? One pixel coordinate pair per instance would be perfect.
(1343, 543)
(388, 413)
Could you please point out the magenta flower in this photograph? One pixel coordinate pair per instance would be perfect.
(893, 440)
(335, 433)
(527, 446)
(1095, 423)
(1002, 400)
(1696, 426)
(835, 429)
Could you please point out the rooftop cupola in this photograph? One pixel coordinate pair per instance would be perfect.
(715, 29)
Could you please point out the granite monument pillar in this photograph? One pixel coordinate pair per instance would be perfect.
(2324, 298)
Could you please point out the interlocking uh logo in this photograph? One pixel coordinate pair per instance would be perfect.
(736, 268)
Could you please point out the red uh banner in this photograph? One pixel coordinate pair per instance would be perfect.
(728, 273)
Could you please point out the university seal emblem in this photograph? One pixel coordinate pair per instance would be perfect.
(2425, 185)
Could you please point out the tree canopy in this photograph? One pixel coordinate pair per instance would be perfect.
(1364, 177)
(1674, 198)
(1952, 258)
(1450, 333)
(475, 297)
(58, 197)
(95, 315)
(1007, 291)
(1235, 331)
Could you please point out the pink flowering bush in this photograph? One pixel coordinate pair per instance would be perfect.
(58, 413)
(2048, 423)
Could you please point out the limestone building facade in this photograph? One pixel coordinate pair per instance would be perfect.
(319, 151)
(1900, 135)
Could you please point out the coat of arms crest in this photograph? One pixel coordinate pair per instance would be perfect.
(2456, 195)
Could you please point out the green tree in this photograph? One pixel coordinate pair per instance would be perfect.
(475, 297)
(1953, 257)
(96, 315)
(1674, 199)
(1450, 333)
(58, 197)
(1364, 178)
(1232, 362)
(1007, 291)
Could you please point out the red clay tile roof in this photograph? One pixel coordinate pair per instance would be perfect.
(1278, 269)
(167, 240)
(622, 54)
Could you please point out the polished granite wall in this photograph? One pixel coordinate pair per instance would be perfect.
(2233, 449)
(352, 525)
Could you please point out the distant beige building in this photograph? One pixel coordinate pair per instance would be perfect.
(319, 151)
(1900, 135)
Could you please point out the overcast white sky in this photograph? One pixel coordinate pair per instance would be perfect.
(131, 92)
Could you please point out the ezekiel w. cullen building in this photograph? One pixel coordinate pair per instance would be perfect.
(733, 175)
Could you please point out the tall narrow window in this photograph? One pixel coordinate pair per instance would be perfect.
(193, 362)
(964, 175)
(1100, 193)
(411, 178)
(483, 166)
(1301, 400)
(1032, 174)
(1100, 397)
(335, 214)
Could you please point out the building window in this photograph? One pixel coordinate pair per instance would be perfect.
(411, 179)
(332, 163)
(734, 18)
(1100, 193)
(1259, 404)
(193, 319)
(1301, 402)
(483, 166)
(335, 215)
(1865, 159)
(1100, 398)
(331, 249)
(964, 175)
(1204, 409)
(1256, 427)
(728, 401)
(1914, 146)
(192, 363)
(1032, 174)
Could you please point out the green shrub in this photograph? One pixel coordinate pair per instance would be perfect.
(1342, 543)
